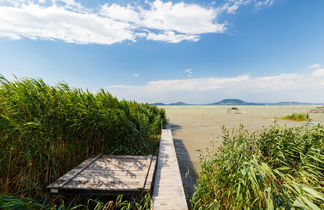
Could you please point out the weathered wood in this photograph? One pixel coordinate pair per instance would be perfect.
(319, 109)
(146, 171)
(150, 175)
(168, 193)
(130, 157)
(108, 174)
(85, 165)
(71, 174)
(100, 185)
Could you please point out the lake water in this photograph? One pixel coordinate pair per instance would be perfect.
(196, 126)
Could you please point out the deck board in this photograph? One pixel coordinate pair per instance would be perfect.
(168, 193)
(108, 174)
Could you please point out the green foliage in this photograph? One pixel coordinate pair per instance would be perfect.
(16, 203)
(47, 130)
(141, 202)
(297, 117)
(280, 168)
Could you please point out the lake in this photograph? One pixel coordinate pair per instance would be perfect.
(194, 127)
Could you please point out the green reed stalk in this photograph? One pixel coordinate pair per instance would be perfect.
(46, 130)
(278, 168)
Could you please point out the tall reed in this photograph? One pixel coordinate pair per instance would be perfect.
(297, 117)
(47, 130)
(278, 168)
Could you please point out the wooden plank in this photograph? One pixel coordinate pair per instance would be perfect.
(106, 174)
(112, 164)
(149, 179)
(168, 193)
(71, 174)
(131, 157)
(118, 168)
(91, 160)
(106, 179)
(102, 185)
(118, 173)
(145, 172)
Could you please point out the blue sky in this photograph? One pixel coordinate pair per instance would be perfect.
(167, 51)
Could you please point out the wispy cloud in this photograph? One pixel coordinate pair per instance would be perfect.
(314, 66)
(70, 21)
(188, 72)
(135, 75)
(231, 6)
(263, 3)
(292, 86)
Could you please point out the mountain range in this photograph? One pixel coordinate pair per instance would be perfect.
(238, 102)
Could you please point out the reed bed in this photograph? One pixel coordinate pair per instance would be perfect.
(277, 168)
(297, 117)
(47, 130)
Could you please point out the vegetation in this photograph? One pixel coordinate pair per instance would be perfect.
(297, 117)
(280, 168)
(47, 130)
(143, 202)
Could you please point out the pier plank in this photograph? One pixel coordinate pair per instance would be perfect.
(168, 193)
(108, 174)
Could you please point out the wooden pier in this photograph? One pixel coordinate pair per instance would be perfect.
(126, 174)
(168, 192)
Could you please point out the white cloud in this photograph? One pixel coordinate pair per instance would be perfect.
(282, 87)
(263, 3)
(181, 17)
(36, 22)
(318, 72)
(171, 37)
(231, 6)
(70, 21)
(123, 13)
(135, 75)
(314, 66)
(188, 72)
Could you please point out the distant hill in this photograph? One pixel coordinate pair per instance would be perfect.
(241, 102)
(285, 103)
(159, 104)
(234, 102)
(238, 102)
(178, 104)
(171, 104)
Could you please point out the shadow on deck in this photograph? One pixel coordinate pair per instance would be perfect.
(187, 170)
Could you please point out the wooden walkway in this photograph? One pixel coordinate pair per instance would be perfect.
(113, 175)
(168, 193)
(108, 175)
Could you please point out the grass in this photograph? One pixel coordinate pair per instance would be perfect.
(278, 168)
(46, 130)
(141, 202)
(297, 117)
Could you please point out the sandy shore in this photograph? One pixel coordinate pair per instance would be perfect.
(196, 126)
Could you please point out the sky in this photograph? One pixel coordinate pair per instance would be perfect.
(194, 51)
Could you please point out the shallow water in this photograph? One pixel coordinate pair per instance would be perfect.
(196, 126)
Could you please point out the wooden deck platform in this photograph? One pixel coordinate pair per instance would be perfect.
(168, 192)
(108, 175)
(319, 109)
